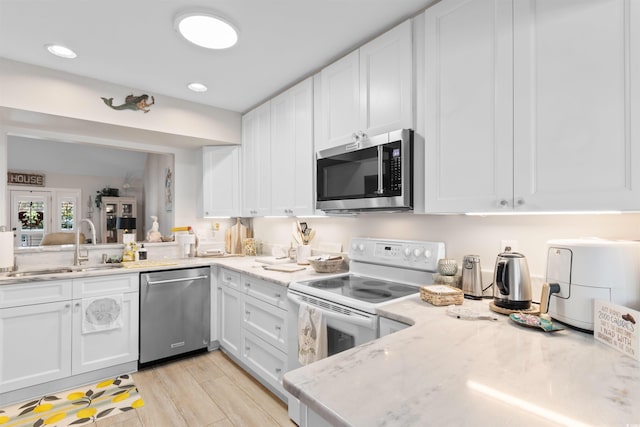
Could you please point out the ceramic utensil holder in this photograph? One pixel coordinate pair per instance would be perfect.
(303, 252)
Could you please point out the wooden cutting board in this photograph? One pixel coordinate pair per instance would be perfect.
(234, 237)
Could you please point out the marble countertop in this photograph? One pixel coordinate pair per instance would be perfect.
(247, 265)
(449, 371)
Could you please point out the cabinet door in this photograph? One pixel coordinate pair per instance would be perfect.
(220, 181)
(390, 326)
(35, 344)
(266, 321)
(104, 345)
(265, 290)
(577, 74)
(340, 117)
(468, 103)
(256, 155)
(292, 151)
(105, 285)
(386, 71)
(266, 361)
(230, 306)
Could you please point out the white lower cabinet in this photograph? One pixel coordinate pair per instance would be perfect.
(253, 326)
(230, 306)
(36, 344)
(53, 330)
(97, 349)
(263, 359)
(390, 326)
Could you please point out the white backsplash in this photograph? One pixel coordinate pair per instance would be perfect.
(463, 235)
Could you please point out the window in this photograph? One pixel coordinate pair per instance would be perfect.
(32, 216)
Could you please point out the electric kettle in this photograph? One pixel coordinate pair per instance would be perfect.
(511, 280)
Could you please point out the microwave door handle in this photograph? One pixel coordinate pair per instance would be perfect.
(380, 165)
(367, 322)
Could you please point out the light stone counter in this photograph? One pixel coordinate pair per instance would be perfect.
(444, 371)
(241, 264)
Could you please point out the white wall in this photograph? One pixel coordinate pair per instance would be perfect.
(42, 90)
(42, 103)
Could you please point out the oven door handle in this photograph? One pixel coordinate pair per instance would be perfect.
(357, 319)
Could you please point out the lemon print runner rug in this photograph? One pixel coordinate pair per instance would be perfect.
(75, 407)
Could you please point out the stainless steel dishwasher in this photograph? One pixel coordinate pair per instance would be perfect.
(175, 310)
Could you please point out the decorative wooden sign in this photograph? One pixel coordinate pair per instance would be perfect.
(21, 178)
(617, 326)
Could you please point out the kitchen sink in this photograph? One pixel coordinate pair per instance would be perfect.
(39, 272)
(75, 269)
(81, 268)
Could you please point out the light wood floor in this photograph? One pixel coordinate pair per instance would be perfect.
(204, 390)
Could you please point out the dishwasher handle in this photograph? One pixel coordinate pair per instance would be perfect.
(181, 279)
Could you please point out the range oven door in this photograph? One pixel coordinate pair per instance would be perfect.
(346, 328)
(375, 173)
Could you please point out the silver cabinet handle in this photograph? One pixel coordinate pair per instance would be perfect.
(278, 295)
(520, 201)
(503, 203)
(278, 370)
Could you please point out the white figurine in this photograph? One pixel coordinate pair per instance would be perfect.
(154, 235)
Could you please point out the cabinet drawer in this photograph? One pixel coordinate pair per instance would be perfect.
(267, 362)
(269, 292)
(35, 293)
(230, 278)
(105, 285)
(266, 321)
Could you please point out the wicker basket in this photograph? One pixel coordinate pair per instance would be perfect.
(330, 265)
(441, 295)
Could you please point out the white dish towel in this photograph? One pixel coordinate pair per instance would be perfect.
(101, 314)
(312, 334)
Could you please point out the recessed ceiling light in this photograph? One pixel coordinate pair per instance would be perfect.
(207, 31)
(61, 51)
(197, 87)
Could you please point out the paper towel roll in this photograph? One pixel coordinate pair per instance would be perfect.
(6, 249)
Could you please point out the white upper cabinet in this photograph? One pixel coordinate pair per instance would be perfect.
(577, 101)
(386, 77)
(369, 91)
(220, 181)
(528, 108)
(468, 103)
(340, 116)
(256, 156)
(292, 161)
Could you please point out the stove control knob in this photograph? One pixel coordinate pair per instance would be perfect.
(427, 254)
(407, 252)
(417, 252)
(361, 247)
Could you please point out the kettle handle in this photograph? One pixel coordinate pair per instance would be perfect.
(501, 274)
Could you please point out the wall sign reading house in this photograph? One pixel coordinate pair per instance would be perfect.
(21, 178)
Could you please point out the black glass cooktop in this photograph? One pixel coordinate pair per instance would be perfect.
(363, 288)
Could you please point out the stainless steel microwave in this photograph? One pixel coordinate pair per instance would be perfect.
(371, 174)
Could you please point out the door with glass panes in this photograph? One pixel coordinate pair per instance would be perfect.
(35, 213)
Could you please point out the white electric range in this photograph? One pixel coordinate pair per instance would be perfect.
(381, 271)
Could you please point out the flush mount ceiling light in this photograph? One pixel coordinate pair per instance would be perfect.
(206, 30)
(61, 51)
(197, 87)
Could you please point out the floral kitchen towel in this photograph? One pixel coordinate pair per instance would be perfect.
(312, 334)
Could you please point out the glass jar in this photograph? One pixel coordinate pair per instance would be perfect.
(249, 246)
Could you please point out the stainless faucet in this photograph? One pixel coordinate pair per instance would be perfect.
(77, 258)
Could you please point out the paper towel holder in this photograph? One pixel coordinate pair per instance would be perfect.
(5, 229)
